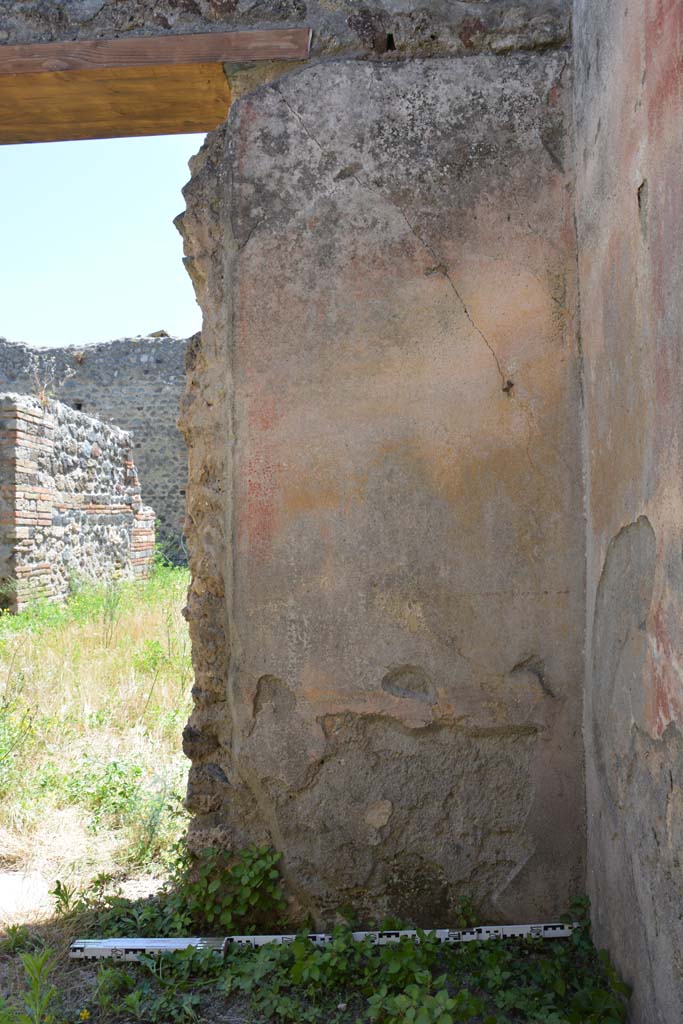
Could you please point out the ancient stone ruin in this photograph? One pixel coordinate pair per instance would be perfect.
(434, 427)
(70, 505)
(133, 383)
(388, 595)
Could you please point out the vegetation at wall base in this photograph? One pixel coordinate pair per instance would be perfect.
(534, 981)
(93, 696)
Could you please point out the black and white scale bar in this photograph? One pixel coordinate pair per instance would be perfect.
(130, 949)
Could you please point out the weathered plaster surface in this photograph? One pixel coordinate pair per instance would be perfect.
(339, 26)
(386, 495)
(630, 223)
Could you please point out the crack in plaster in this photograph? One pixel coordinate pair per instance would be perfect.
(442, 269)
(441, 266)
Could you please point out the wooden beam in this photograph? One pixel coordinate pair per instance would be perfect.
(108, 88)
(141, 51)
(111, 103)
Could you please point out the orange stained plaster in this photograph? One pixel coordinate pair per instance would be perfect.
(263, 473)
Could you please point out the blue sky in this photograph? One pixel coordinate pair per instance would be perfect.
(88, 247)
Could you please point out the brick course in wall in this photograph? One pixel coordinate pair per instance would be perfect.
(70, 502)
(134, 383)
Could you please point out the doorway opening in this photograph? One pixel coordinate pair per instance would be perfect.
(94, 689)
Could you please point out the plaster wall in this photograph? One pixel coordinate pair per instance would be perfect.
(385, 493)
(629, 187)
(387, 546)
(384, 509)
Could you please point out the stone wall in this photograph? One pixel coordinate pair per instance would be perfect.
(426, 27)
(629, 189)
(387, 598)
(389, 450)
(70, 502)
(384, 499)
(134, 383)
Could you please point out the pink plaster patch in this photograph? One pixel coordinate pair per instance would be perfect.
(664, 672)
(263, 472)
(664, 56)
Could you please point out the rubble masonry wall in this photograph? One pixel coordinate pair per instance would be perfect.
(132, 383)
(70, 502)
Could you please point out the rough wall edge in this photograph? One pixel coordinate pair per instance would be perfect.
(211, 250)
(247, 82)
(205, 414)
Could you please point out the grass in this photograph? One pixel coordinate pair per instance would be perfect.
(93, 698)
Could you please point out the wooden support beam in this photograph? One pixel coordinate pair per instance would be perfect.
(112, 103)
(151, 85)
(141, 51)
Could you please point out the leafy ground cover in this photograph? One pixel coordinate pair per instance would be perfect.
(345, 982)
(93, 697)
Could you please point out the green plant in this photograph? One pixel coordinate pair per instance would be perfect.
(40, 994)
(342, 981)
(111, 609)
(110, 790)
(92, 746)
(17, 937)
(215, 893)
(67, 899)
(135, 1004)
(150, 658)
(465, 915)
(165, 990)
(8, 1014)
(418, 1004)
(16, 723)
(225, 893)
(153, 829)
(112, 986)
(161, 559)
(558, 983)
(407, 962)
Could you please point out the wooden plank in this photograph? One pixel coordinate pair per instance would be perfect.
(110, 103)
(140, 51)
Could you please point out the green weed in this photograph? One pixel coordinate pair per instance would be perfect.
(493, 982)
(109, 790)
(343, 981)
(40, 994)
(18, 938)
(214, 894)
(16, 723)
(427, 1002)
